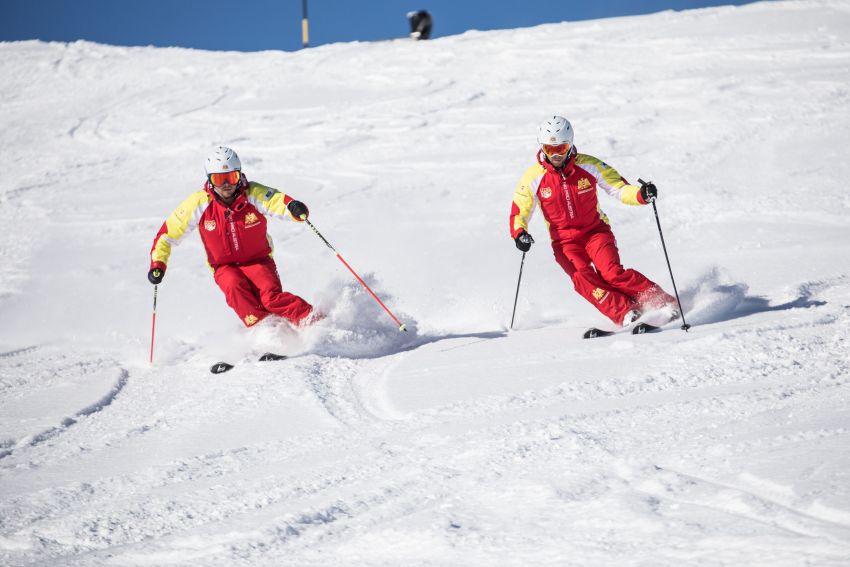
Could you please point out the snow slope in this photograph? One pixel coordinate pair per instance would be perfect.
(459, 442)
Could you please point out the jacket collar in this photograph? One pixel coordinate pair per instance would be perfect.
(567, 168)
(240, 193)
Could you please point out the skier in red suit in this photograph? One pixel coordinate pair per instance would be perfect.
(230, 213)
(564, 184)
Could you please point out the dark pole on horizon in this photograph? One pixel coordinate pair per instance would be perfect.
(305, 31)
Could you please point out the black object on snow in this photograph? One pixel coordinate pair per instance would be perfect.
(222, 367)
(421, 23)
(639, 329)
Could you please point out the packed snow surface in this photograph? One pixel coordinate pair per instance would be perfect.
(460, 442)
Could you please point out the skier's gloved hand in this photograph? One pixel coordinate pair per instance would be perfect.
(648, 191)
(297, 208)
(524, 241)
(155, 275)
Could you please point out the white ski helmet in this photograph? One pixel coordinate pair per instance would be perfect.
(555, 131)
(222, 160)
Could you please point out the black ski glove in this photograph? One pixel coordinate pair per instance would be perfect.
(297, 208)
(155, 275)
(524, 241)
(648, 191)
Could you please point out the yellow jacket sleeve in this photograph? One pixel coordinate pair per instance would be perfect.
(181, 222)
(269, 201)
(524, 199)
(609, 180)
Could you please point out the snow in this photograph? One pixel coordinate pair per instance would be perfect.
(459, 442)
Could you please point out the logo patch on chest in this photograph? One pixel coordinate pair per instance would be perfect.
(209, 225)
(546, 192)
(584, 185)
(251, 219)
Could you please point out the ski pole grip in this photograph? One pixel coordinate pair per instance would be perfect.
(644, 184)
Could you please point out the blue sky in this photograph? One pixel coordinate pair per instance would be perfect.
(253, 25)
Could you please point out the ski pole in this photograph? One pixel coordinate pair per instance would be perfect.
(517, 289)
(685, 326)
(401, 326)
(153, 321)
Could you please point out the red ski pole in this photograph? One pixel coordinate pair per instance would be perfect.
(401, 326)
(153, 322)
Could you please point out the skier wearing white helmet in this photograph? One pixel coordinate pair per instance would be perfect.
(564, 184)
(231, 214)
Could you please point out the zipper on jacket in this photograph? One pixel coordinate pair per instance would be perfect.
(231, 228)
(567, 195)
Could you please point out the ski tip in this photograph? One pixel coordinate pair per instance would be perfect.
(643, 328)
(220, 367)
(272, 356)
(594, 333)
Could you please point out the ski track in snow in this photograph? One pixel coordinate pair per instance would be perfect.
(54, 367)
(396, 469)
(459, 442)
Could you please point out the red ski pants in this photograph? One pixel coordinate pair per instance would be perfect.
(254, 292)
(593, 263)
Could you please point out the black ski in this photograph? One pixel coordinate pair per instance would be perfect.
(593, 333)
(222, 367)
(272, 356)
(639, 329)
(643, 328)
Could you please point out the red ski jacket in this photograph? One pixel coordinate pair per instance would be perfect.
(567, 196)
(234, 234)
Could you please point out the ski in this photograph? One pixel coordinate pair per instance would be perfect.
(222, 367)
(639, 329)
(593, 333)
(643, 328)
(272, 356)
